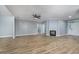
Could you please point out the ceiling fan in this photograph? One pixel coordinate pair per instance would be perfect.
(36, 16)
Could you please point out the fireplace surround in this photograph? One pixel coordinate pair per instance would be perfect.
(52, 32)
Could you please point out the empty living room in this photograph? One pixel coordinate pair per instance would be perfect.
(39, 29)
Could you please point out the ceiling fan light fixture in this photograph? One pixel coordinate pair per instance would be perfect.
(36, 16)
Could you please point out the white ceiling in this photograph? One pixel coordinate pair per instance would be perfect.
(60, 12)
(4, 11)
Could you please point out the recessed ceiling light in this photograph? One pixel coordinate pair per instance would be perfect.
(70, 16)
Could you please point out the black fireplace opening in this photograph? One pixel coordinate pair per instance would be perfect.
(52, 32)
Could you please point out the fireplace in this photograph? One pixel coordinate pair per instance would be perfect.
(52, 32)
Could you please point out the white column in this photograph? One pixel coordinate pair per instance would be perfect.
(14, 29)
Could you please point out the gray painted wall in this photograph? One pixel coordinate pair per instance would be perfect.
(58, 25)
(41, 28)
(6, 26)
(61, 29)
(24, 27)
(73, 27)
(21, 28)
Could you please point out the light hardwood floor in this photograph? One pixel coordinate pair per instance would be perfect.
(40, 45)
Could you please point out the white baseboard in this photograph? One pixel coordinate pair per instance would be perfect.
(61, 35)
(5, 36)
(32, 34)
(18, 35)
(73, 35)
(27, 34)
(57, 35)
